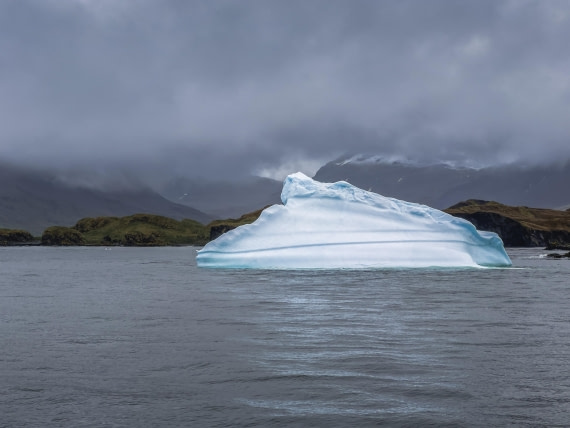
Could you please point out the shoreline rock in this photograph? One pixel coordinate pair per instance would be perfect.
(559, 256)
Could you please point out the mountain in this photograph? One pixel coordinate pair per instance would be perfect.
(223, 199)
(443, 185)
(32, 201)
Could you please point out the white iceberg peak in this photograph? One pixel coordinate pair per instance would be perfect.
(337, 225)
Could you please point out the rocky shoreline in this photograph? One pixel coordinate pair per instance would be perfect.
(559, 256)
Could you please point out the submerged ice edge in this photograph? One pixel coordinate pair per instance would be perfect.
(358, 268)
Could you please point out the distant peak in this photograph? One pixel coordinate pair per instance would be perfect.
(363, 159)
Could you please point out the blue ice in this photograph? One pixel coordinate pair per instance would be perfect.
(337, 225)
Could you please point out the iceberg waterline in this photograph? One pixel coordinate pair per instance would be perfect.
(337, 225)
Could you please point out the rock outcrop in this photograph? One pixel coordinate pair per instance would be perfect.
(517, 226)
(559, 256)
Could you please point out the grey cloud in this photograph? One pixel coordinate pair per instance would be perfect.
(236, 87)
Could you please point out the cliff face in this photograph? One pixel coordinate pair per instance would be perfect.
(517, 226)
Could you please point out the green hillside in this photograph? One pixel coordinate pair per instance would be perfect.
(535, 218)
(133, 230)
(141, 230)
(15, 237)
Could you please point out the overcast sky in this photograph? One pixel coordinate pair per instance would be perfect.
(240, 87)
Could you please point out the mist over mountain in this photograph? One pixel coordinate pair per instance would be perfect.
(33, 200)
(223, 199)
(441, 185)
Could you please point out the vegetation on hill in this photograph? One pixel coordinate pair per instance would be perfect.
(59, 235)
(141, 230)
(517, 226)
(133, 230)
(15, 237)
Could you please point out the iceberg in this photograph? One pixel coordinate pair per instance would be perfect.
(339, 226)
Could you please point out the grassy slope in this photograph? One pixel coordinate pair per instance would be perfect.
(141, 229)
(533, 218)
(148, 230)
(15, 237)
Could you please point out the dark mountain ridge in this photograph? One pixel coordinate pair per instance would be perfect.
(33, 200)
(441, 185)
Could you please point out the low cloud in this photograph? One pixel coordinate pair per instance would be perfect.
(235, 88)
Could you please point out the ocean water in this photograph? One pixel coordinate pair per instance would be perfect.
(141, 337)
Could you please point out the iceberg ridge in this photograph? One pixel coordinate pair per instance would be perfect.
(337, 225)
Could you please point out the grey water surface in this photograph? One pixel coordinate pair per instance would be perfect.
(141, 337)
